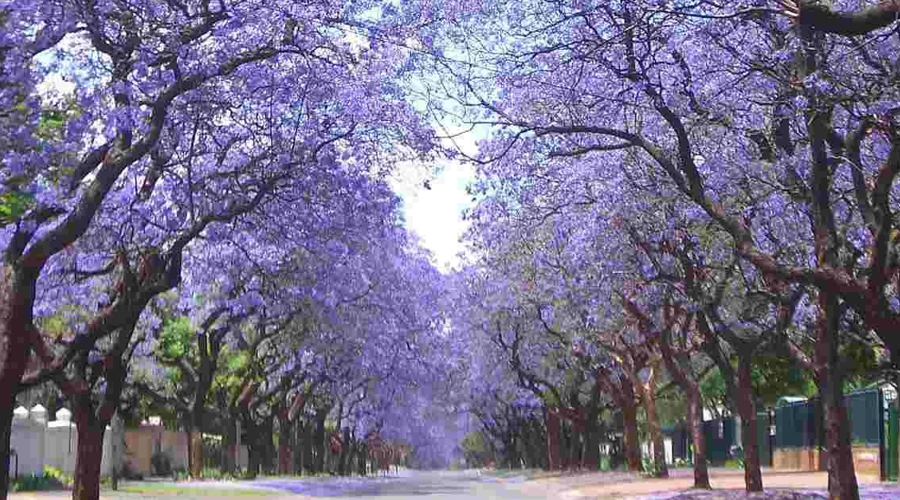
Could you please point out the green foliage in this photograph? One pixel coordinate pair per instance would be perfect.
(775, 376)
(734, 463)
(51, 479)
(672, 408)
(176, 337)
(13, 205)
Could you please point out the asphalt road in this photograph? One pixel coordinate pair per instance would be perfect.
(412, 485)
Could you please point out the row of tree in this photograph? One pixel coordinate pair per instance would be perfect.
(196, 221)
(668, 190)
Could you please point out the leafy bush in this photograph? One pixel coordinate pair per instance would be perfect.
(57, 474)
(161, 463)
(52, 478)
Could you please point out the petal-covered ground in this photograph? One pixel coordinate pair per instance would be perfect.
(866, 492)
(727, 484)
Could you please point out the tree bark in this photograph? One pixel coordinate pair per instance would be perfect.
(698, 439)
(230, 461)
(575, 445)
(553, 440)
(6, 418)
(362, 459)
(309, 466)
(285, 450)
(820, 16)
(655, 428)
(344, 468)
(749, 430)
(591, 456)
(320, 442)
(648, 394)
(842, 483)
(196, 447)
(631, 441)
(16, 299)
(88, 457)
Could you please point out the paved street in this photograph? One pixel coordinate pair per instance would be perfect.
(472, 485)
(412, 485)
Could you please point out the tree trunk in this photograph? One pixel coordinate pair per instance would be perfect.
(655, 428)
(591, 456)
(88, 457)
(630, 435)
(196, 439)
(285, 450)
(841, 474)
(5, 438)
(253, 447)
(307, 449)
(512, 452)
(320, 443)
(553, 441)
(698, 439)
(344, 468)
(229, 463)
(362, 458)
(269, 456)
(15, 317)
(575, 445)
(749, 431)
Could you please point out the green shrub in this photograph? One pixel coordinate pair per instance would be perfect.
(51, 479)
(734, 463)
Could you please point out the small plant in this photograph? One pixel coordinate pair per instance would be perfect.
(52, 478)
(57, 474)
(650, 467)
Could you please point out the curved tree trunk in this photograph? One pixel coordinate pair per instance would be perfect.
(749, 430)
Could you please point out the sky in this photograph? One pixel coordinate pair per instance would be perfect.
(435, 215)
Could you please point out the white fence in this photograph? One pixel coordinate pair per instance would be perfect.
(36, 443)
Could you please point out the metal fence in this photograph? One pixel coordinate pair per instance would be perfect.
(800, 424)
(720, 438)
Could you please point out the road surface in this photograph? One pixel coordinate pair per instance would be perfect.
(442, 485)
